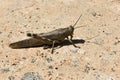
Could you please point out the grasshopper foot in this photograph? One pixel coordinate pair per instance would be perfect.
(73, 43)
(76, 46)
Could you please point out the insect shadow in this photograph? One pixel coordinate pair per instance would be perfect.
(33, 43)
(64, 43)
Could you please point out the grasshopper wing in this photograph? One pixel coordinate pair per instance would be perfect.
(58, 35)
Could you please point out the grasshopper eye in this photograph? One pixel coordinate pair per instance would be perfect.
(71, 26)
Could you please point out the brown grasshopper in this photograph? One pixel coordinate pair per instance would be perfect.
(50, 38)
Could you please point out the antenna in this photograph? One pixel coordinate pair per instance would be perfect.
(77, 20)
(80, 26)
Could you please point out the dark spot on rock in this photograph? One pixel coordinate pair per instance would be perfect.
(112, 69)
(42, 54)
(56, 68)
(25, 25)
(12, 10)
(8, 21)
(1, 41)
(93, 69)
(10, 32)
(6, 56)
(37, 8)
(0, 32)
(37, 28)
(14, 64)
(15, 21)
(100, 15)
(51, 78)
(24, 58)
(49, 73)
(21, 32)
(29, 17)
(25, 17)
(57, 52)
(100, 55)
(44, 27)
(50, 67)
(116, 42)
(116, 37)
(36, 21)
(2, 61)
(38, 53)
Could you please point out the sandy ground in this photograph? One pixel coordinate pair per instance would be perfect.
(97, 59)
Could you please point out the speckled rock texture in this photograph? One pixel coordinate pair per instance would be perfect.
(97, 59)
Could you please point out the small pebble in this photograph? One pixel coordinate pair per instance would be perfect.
(5, 70)
(33, 60)
(94, 13)
(31, 76)
(11, 78)
(50, 67)
(49, 60)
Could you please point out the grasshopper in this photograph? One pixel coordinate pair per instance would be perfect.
(50, 38)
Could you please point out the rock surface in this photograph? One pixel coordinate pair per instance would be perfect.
(98, 57)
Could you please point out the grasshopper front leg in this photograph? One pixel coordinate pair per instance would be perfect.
(70, 40)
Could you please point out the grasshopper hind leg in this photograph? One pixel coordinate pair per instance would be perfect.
(52, 49)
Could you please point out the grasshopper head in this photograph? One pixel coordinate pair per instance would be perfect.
(71, 28)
